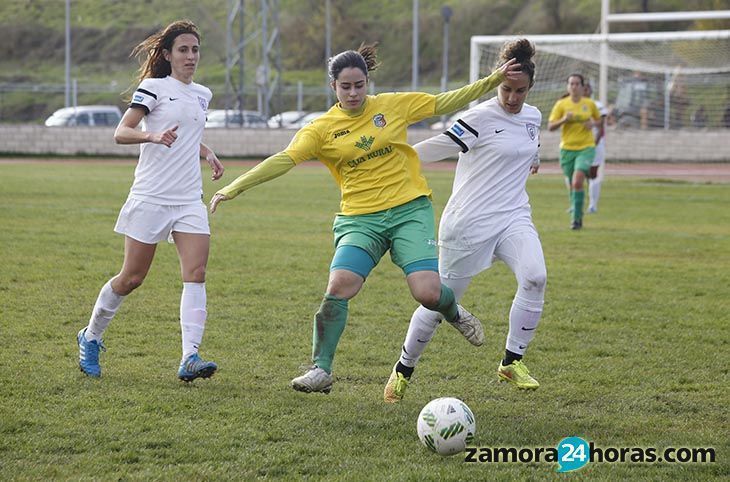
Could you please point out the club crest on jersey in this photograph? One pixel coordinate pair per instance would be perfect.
(203, 103)
(531, 130)
(365, 143)
(379, 120)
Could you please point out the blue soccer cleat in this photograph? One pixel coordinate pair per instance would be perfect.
(89, 355)
(194, 367)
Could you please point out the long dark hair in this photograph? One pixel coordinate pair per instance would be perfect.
(150, 51)
(364, 58)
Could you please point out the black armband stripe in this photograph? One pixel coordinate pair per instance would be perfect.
(148, 93)
(458, 141)
(134, 105)
(468, 127)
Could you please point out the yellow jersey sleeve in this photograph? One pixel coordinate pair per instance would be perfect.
(269, 169)
(447, 102)
(557, 113)
(306, 143)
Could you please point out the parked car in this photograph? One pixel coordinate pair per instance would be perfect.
(248, 119)
(286, 119)
(86, 115)
(306, 119)
(442, 126)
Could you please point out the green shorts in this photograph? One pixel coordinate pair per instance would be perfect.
(408, 231)
(571, 161)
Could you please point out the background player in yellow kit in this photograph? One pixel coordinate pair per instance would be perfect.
(576, 116)
(385, 203)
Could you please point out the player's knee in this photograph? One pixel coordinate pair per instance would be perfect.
(127, 284)
(196, 275)
(535, 280)
(344, 287)
(428, 296)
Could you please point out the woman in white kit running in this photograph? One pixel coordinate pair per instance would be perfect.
(488, 216)
(165, 201)
(595, 175)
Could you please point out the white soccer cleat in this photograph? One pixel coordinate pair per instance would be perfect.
(469, 326)
(315, 380)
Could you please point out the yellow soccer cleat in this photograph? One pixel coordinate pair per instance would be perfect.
(395, 388)
(518, 374)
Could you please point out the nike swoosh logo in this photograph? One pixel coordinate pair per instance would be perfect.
(497, 131)
(421, 341)
(174, 98)
(522, 347)
(528, 329)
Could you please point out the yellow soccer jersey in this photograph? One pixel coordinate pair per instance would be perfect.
(368, 153)
(575, 136)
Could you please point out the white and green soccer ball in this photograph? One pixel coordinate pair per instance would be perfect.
(446, 426)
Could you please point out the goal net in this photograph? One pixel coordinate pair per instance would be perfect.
(667, 93)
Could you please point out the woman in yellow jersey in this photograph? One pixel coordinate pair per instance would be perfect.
(386, 203)
(576, 116)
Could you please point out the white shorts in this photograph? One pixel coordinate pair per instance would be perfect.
(151, 223)
(456, 263)
(600, 154)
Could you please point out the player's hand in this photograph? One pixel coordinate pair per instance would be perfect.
(215, 165)
(511, 69)
(534, 168)
(216, 200)
(568, 117)
(166, 137)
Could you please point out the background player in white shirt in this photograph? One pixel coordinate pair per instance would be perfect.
(595, 176)
(488, 216)
(165, 201)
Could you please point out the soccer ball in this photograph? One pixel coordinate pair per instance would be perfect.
(446, 426)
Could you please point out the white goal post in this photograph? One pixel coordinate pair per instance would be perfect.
(668, 92)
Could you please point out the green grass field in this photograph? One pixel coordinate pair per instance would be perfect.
(632, 350)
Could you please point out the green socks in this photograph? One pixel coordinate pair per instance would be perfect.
(577, 197)
(446, 304)
(329, 323)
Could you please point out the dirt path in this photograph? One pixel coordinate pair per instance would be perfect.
(696, 172)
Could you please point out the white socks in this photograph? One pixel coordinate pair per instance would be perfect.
(523, 319)
(105, 308)
(594, 190)
(423, 325)
(192, 317)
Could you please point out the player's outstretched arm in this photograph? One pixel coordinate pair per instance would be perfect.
(447, 102)
(437, 148)
(271, 168)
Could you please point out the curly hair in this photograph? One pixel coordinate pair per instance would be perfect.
(521, 50)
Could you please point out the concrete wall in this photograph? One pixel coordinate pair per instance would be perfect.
(635, 145)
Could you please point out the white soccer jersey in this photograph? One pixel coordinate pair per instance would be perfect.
(604, 112)
(170, 175)
(498, 149)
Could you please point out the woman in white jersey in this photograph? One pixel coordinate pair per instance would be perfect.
(165, 201)
(595, 176)
(487, 217)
